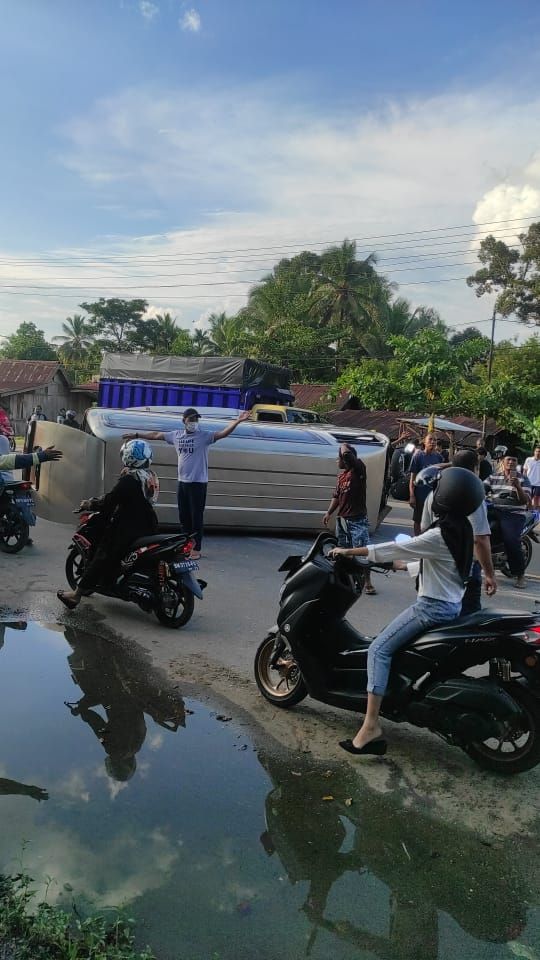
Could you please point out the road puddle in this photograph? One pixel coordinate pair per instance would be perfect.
(125, 794)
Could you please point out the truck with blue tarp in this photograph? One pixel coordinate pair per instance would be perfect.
(139, 380)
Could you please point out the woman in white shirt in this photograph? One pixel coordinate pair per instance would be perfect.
(445, 552)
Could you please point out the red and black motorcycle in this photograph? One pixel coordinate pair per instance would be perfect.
(156, 572)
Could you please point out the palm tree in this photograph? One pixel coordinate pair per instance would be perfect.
(392, 318)
(76, 339)
(202, 344)
(345, 290)
(165, 332)
(228, 335)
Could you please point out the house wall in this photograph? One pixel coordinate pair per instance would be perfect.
(51, 396)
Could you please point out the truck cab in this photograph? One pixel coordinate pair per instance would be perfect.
(275, 413)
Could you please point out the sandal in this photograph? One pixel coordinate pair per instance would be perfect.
(70, 604)
(195, 555)
(371, 591)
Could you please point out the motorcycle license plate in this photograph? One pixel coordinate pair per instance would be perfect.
(182, 565)
(26, 506)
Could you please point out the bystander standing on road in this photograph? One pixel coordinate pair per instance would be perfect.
(485, 466)
(191, 445)
(531, 469)
(61, 418)
(427, 457)
(510, 495)
(349, 500)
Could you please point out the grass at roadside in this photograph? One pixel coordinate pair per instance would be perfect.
(39, 931)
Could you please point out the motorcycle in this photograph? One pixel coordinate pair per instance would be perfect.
(313, 649)
(529, 535)
(156, 573)
(16, 515)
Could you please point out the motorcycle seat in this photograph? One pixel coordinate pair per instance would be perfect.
(157, 538)
(482, 618)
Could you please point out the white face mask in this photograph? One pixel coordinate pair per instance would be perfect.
(191, 427)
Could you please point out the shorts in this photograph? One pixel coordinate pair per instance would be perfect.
(352, 531)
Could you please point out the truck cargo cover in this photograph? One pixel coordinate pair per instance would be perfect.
(214, 371)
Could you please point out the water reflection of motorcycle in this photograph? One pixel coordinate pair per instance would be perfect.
(120, 682)
(427, 867)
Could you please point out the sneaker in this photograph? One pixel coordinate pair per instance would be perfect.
(520, 583)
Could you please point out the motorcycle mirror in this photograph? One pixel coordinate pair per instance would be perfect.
(402, 538)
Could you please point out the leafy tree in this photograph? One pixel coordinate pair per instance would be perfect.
(182, 345)
(76, 339)
(111, 320)
(84, 368)
(424, 374)
(303, 348)
(512, 274)
(469, 333)
(27, 343)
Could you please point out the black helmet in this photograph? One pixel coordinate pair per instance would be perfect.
(428, 477)
(459, 491)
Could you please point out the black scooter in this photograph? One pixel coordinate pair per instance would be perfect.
(529, 535)
(16, 515)
(156, 572)
(495, 718)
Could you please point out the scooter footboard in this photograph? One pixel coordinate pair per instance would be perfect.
(480, 696)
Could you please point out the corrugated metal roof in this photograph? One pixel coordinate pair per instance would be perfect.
(308, 395)
(387, 422)
(19, 375)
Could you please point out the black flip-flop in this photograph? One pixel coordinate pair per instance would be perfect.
(376, 748)
(70, 604)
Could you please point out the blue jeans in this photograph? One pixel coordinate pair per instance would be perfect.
(352, 531)
(423, 614)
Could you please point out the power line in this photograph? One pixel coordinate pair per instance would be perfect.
(284, 246)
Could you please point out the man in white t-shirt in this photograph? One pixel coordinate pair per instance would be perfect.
(531, 469)
(191, 445)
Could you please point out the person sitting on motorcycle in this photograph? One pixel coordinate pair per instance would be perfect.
(128, 515)
(445, 552)
(510, 498)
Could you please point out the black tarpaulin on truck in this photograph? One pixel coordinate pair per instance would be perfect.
(212, 371)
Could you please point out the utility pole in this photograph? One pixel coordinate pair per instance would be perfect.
(490, 363)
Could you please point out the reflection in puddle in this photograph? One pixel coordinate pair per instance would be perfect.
(219, 852)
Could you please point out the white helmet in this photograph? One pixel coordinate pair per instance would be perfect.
(71, 413)
(136, 453)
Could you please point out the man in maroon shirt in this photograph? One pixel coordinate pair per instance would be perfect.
(349, 499)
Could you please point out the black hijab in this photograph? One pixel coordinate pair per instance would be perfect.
(457, 534)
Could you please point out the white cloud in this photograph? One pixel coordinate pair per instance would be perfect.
(148, 9)
(251, 168)
(190, 21)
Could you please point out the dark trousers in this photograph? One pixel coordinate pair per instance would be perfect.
(191, 504)
(511, 529)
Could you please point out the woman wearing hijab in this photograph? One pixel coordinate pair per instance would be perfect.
(126, 513)
(445, 552)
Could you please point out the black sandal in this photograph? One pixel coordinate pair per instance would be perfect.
(70, 604)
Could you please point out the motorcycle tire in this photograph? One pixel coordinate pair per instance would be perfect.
(526, 549)
(283, 687)
(14, 531)
(75, 566)
(525, 754)
(177, 614)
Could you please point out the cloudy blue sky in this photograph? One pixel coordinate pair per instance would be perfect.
(175, 150)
